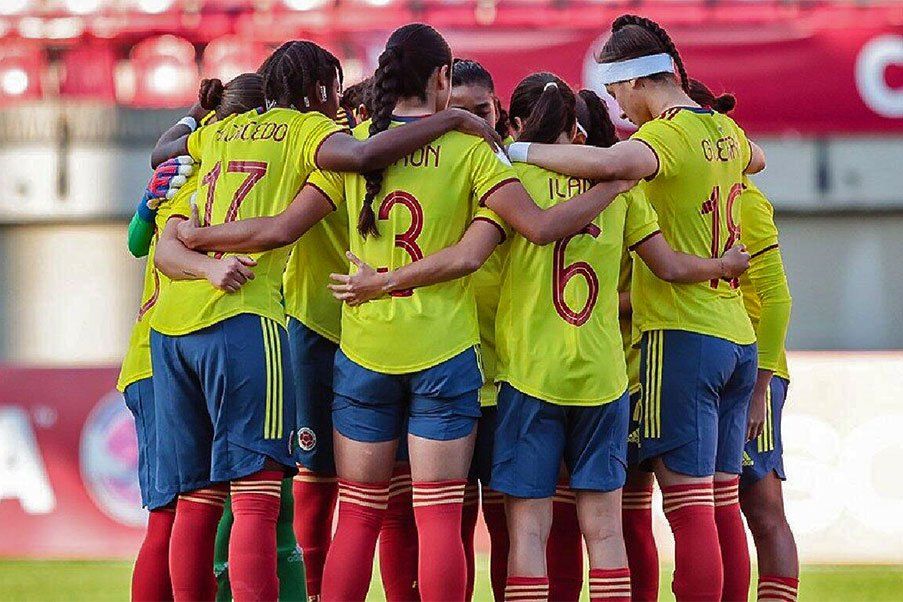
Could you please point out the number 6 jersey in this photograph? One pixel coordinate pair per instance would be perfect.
(252, 165)
(427, 200)
(557, 327)
(702, 156)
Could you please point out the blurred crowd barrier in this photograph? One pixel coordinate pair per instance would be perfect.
(68, 457)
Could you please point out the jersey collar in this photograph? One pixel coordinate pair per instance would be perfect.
(407, 118)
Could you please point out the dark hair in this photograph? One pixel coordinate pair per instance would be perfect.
(467, 72)
(633, 37)
(356, 95)
(243, 93)
(593, 115)
(292, 70)
(546, 106)
(702, 95)
(413, 52)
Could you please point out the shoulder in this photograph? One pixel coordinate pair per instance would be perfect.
(362, 130)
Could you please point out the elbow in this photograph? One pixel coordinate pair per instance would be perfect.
(667, 272)
(281, 236)
(540, 235)
(469, 264)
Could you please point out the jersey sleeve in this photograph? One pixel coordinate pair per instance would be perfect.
(745, 147)
(766, 273)
(757, 229)
(331, 184)
(489, 172)
(666, 141)
(196, 141)
(179, 205)
(312, 129)
(641, 221)
(486, 214)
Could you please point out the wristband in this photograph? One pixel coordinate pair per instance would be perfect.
(144, 211)
(518, 151)
(188, 121)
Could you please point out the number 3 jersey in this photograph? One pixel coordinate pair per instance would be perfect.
(557, 327)
(252, 165)
(426, 202)
(702, 156)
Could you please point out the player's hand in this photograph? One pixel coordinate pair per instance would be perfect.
(468, 123)
(755, 420)
(231, 273)
(169, 177)
(734, 262)
(364, 285)
(187, 228)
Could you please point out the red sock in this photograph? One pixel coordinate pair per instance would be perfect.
(777, 589)
(346, 576)
(732, 539)
(527, 589)
(494, 515)
(398, 541)
(442, 567)
(469, 514)
(191, 544)
(698, 572)
(150, 579)
(315, 499)
(642, 555)
(609, 585)
(564, 551)
(252, 547)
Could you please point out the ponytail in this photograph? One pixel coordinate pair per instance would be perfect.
(593, 116)
(702, 95)
(545, 105)
(385, 88)
(243, 93)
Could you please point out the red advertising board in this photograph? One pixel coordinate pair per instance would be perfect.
(68, 459)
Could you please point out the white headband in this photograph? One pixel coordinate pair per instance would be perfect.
(623, 71)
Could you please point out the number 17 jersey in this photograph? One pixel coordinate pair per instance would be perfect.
(702, 156)
(252, 165)
(427, 200)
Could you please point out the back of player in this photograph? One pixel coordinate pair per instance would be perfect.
(221, 358)
(392, 364)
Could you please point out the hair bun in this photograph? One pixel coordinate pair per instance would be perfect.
(550, 85)
(211, 93)
(725, 103)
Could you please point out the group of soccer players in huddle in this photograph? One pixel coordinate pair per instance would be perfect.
(419, 319)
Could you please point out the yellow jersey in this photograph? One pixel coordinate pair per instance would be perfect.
(252, 165)
(137, 362)
(702, 156)
(487, 287)
(765, 273)
(427, 201)
(558, 332)
(631, 351)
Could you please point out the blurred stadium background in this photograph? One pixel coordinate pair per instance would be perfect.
(86, 86)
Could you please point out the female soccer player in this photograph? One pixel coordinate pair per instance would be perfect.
(542, 109)
(767, 299)
(385, 364)
(698, 346)
(151, 578)
(229, 406)
(474, 91)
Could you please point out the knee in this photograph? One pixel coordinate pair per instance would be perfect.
(765, 519)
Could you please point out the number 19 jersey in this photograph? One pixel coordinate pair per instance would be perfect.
(558, 333)
(427, 201)
(252, 165)
(702, 156)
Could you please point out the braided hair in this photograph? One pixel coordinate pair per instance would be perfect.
(546, 106)
(291, 72)
(701, 94)
(592, 113)
(413, 53)
(467, 72)
(633, 36)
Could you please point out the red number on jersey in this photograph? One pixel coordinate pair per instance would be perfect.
(561, 275)
(712, 205)
(255, 170)
(407, 240)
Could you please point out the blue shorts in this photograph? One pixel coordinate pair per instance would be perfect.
(312, 358)
(225, 399)
(441, 403)
(481, 464)
(139, 399)
(696, 391)
(534, 436)
(765, 453)
(633, 432)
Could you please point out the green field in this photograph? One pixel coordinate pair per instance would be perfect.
(96, 581)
